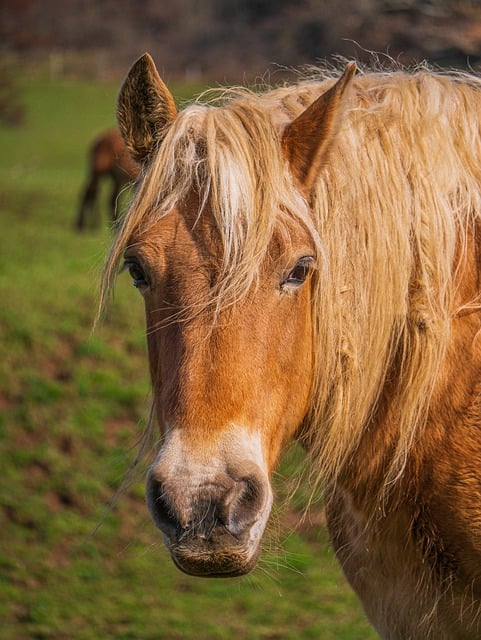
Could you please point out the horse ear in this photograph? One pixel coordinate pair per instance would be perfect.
(145, 108)
(306, 139)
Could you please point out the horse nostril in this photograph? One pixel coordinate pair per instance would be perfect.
(246, 503)
(160, 509)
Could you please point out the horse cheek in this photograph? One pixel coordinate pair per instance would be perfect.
(294, 366)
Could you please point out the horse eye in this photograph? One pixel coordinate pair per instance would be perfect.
(136, 273)
(297, 276)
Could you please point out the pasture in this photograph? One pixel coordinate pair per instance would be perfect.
(72, 407)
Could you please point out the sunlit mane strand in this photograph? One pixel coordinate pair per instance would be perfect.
(394, 206)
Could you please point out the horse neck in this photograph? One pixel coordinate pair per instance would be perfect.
(455, 392)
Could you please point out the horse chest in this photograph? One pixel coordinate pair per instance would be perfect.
(404, 571)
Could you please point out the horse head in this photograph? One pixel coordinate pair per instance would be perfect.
(228, 297)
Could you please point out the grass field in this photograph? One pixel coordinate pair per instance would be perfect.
(72, 405)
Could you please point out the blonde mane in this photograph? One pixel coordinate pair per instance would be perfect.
(389, 215)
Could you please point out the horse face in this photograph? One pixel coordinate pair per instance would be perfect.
(230, 387)
(231, 382)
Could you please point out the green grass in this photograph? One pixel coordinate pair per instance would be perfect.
(72, 406)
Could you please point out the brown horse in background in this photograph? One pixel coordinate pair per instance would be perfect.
(108, 157)
(310, 264)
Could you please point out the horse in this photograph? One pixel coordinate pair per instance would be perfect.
(107, 157)
(309, 261)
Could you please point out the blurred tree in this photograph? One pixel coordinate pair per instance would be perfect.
(220, 38)
(12, 109)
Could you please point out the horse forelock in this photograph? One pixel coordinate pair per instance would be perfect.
(398, 194)
(230, 158)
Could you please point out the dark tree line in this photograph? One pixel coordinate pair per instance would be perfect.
(221, 39)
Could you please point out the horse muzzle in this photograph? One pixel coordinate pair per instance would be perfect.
(212, 528)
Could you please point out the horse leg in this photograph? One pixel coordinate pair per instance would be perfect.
(87, 201)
